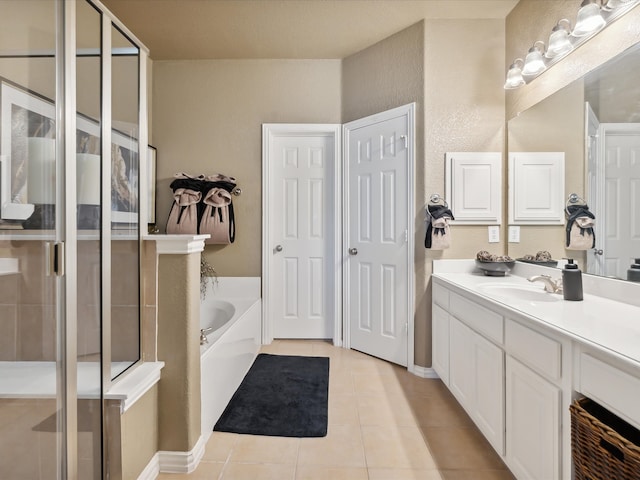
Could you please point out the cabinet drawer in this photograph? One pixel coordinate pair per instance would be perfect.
(536, 350)
(614, 389)
(440, 296)
(480, 319)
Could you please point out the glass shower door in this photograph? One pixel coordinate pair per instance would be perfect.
(31, 334)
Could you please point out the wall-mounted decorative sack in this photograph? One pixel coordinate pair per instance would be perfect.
(580, 223)
(202, 204)
(438, 236)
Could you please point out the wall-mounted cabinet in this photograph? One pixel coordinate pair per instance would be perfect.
(474, 187)
(536, 188)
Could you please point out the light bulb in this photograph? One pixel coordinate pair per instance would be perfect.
(534, 62)
(514, 75)
(589, 19)
(559, 43)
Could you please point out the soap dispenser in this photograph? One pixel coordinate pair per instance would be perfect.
(633, 274)
(571, 281)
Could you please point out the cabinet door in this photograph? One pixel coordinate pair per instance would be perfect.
(488, 361)
(533, 424)
(461, 369)
(440, 321)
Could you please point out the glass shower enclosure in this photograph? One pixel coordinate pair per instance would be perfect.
(73, 140)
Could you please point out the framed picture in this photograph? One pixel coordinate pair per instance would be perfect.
(151, 186)
(28, 125)
(27, 158)
(124, 178)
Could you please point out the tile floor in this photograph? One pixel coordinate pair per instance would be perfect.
(384, 423)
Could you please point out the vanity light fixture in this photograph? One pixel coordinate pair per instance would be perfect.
(559, 43)
(534, 61)
(593, 16)
(589, 19)
(514, 75)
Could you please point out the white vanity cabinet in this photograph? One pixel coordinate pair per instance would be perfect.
(440, 332)
(507, 377)
(474, 368)
(516, 362)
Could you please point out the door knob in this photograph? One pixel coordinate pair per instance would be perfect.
(597, 251)
(278, 248)
(353, 251)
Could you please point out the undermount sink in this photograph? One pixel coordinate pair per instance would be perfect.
(519, 292)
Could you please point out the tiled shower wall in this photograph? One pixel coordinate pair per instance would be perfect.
(27, 303)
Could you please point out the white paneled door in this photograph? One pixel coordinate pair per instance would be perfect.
(621, 232)
(302, 205)
(378, 193)
(614, 183)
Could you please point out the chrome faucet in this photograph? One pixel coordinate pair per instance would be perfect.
(203, 335)
(550, 285)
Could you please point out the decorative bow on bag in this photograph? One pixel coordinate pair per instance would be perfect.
(202, 204)
(580, 223)
(438, 235)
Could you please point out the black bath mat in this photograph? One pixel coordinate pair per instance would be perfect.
(281, 396)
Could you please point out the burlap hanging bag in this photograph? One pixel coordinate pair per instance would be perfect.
(217, 217)
(183, 217)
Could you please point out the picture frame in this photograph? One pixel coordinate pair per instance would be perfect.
(152, 156)
(124, 178)
(24, 115)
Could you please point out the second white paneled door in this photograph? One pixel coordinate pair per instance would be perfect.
(378, 161)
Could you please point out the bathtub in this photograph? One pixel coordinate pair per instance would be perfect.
(231, 315)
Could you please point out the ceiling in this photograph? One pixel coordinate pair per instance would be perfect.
(311, 29)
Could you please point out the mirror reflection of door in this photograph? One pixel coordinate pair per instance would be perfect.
(620, 218)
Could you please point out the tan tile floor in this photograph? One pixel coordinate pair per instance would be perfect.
(384, 424)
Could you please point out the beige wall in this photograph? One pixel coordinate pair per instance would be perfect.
(179, 347)
(457, 85)
(464, 112)
(207, 119)
(139, 431)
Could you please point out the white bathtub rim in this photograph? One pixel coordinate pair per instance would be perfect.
(243, 306)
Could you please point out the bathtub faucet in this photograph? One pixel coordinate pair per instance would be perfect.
(203, 335)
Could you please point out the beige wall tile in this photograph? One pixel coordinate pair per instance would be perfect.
(36, 333)
(8, 332)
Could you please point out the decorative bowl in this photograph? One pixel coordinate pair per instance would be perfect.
(544, 263)
(495, 269)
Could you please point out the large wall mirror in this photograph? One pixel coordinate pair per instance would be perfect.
(595, 121)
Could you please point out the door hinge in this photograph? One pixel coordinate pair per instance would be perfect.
(54, 257)
(406, 236)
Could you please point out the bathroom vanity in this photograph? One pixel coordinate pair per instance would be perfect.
(515, 357)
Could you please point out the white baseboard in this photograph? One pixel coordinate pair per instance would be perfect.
(182, 462)
(424, 372)
(152, 470)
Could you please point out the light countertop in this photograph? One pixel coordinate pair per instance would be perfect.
(606, 324)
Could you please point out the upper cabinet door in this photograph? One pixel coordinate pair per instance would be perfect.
(536, 188)
(474, 187)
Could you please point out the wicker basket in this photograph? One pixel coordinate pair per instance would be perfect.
(603, 446)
